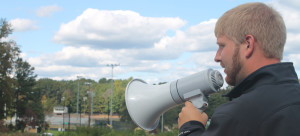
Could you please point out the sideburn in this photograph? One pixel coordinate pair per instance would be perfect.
(236, 66)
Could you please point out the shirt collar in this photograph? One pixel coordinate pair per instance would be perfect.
(270, 73)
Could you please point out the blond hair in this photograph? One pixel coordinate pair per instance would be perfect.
(259, 20)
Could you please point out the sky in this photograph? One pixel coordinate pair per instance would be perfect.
(154, 40)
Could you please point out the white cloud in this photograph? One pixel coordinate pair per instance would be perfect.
(144, 46)
(290, 3)
(292, 43)
(295, 58)
(100, 37)
(291, 16)
(5, 39)
(115, 29)
(46, 11)
(196, 38)
(84, 59)
(21, 25)
(205, 59)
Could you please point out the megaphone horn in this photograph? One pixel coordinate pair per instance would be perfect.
(145, 103)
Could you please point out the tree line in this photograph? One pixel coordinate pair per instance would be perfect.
(52, 92)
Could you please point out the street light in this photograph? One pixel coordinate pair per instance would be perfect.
(111, 91)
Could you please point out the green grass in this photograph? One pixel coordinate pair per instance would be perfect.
(102, 131)
(96, 131)
(17, 134)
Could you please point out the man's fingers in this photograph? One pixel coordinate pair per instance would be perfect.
(188, 103)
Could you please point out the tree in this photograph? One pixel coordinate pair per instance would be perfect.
(17, 80)
(25, 78)
(216, 99)
(123, 112)
(8, 55)
(103, 80)
(51, 92)
(26, 96)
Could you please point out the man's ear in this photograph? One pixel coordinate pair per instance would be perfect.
(249, 45)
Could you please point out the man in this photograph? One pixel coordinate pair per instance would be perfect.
(266, 98)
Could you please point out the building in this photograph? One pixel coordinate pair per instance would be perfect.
(60, 110)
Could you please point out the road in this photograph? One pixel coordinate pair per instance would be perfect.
(54, 120)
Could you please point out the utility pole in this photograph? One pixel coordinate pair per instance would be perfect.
(162, 123)
(91, 106)
(84, 99)
(78, 78)
(69, 117)
(80, 113)
(111, 91)
(16, 112)
(63, 99)
(92, 95)
(5, 111)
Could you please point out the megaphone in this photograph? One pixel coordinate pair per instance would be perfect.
(145, 103)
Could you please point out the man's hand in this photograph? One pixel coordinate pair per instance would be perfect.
(189, 113)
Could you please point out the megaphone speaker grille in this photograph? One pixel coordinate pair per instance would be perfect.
(145, 103)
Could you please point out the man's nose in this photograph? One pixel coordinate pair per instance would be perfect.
(218, 56)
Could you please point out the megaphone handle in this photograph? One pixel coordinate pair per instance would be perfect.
(197, 98)
(200, 103)
(204, 107)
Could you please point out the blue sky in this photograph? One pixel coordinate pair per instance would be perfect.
(154, 40)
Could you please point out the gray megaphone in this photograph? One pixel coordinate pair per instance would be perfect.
(145, 103)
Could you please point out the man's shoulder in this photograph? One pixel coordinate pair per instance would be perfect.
(254, 107)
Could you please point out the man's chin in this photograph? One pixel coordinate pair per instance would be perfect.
(229, 81)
